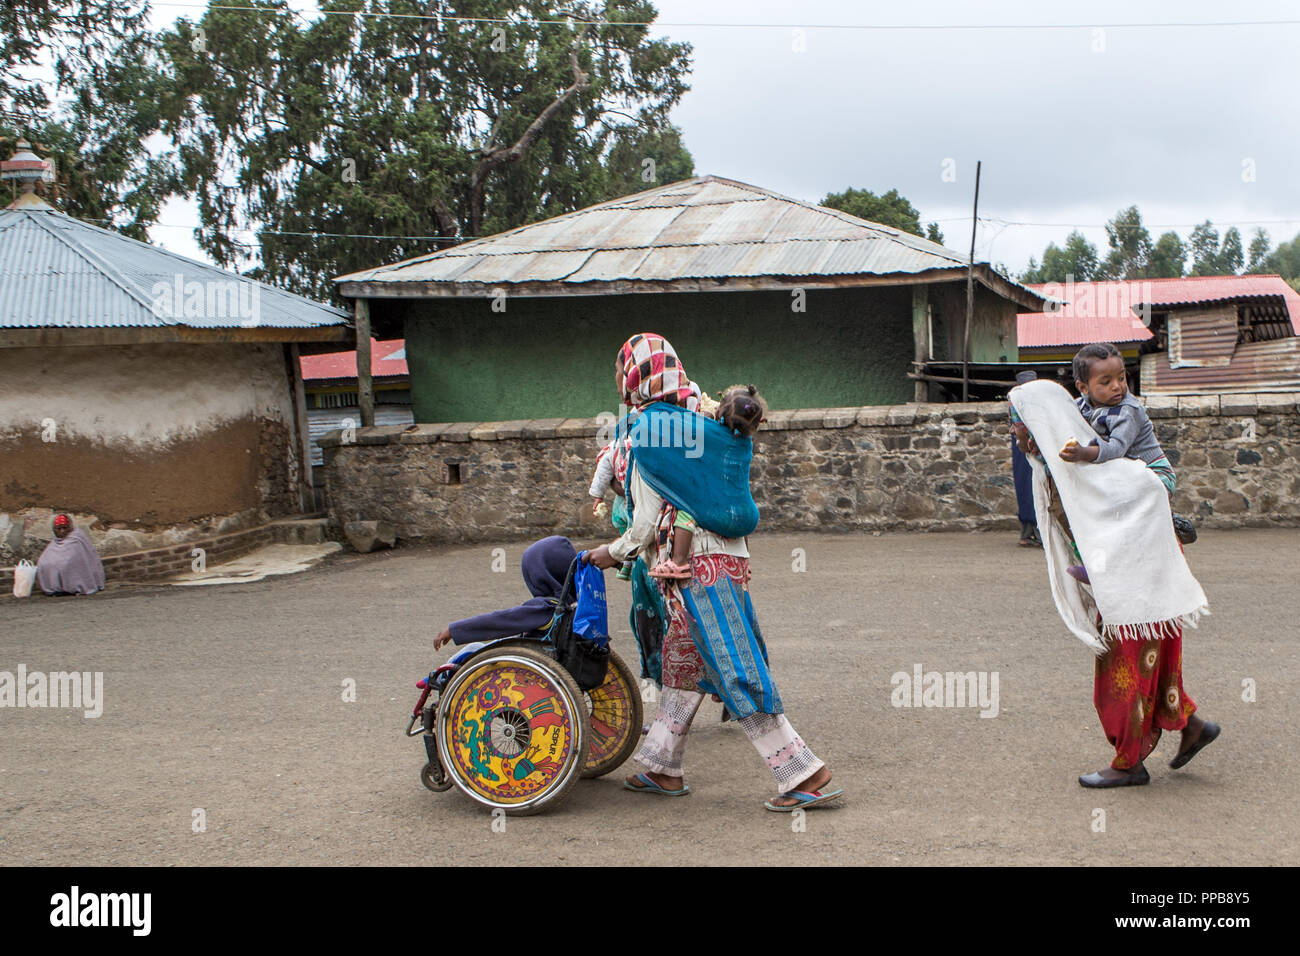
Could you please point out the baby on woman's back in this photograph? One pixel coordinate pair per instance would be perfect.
(742, 410)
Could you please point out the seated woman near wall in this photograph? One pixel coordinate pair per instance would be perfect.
(69, 564)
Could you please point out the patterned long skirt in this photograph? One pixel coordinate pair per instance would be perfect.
(715, 616)
(682, 666)
(1138, 692)
(727, 637)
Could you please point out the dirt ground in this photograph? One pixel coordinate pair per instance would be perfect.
(229, 700)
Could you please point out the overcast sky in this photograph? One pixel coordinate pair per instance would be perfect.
(1071, 124)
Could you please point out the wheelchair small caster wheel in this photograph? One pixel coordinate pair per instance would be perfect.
(434, 778)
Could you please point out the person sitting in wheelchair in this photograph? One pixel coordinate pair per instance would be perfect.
(545, 566)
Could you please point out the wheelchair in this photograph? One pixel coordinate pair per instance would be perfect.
(505, 723)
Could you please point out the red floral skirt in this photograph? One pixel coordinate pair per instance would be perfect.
(1138, 692)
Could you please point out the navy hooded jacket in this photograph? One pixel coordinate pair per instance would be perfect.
(545, 566)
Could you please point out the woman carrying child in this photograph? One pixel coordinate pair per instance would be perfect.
(713, 643)
(1131, 602)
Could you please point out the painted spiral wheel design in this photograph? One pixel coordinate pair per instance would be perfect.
(513, 729)
(616, 713)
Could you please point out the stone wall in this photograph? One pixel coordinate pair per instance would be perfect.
(901, 467)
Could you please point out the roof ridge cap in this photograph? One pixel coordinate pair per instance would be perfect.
(684, 245)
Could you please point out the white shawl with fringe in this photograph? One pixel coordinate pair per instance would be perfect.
(1119, 514)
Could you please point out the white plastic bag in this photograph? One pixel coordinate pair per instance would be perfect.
(24, 578)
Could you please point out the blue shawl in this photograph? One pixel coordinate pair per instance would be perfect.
(695, 464)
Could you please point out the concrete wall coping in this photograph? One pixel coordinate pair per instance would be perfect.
(1158, 406)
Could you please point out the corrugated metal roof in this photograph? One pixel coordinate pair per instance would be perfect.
(1035, 330)
(704, 228)
(387, 358)
(59, 272)
(1108, 311)
(1196, 290)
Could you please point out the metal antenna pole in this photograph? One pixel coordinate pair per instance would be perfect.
(970, 292)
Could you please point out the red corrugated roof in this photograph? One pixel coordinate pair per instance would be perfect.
(1104, 311)
(386, 359)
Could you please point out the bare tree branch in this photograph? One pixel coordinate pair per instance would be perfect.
(497, 156)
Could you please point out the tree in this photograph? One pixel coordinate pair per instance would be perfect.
(94, 119)
(889, 209)
(1230, 254)
(1258, 252)
(1205, 250)
(1285, 261)
(1168, 257)
(1212, 257)
(642, 159)
(76, 35)
(1130, 246)
(429, 129)
(1077, 262)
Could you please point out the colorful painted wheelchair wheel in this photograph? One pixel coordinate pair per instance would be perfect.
(512, 730)
(615, 713)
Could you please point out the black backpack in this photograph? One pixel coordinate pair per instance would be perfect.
(586, 661)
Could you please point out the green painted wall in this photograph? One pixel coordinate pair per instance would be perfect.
(993, 329)
(545, 358)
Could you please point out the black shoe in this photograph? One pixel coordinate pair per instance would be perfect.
(1184, 529)
(1209, 732)
(1101, 779)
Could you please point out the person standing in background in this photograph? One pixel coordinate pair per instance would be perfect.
(1024, 476)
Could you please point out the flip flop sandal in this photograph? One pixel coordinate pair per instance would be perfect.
(807, 800)
(1209, 734)
(649, 786)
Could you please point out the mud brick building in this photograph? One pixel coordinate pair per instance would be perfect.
(156, 399)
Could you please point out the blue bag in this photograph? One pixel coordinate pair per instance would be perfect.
(591, 618)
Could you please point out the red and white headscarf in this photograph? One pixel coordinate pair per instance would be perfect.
(652, 372)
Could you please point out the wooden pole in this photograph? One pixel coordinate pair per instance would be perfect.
(920, 336)
(365, 387)
(307, 490)
(970, 292)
